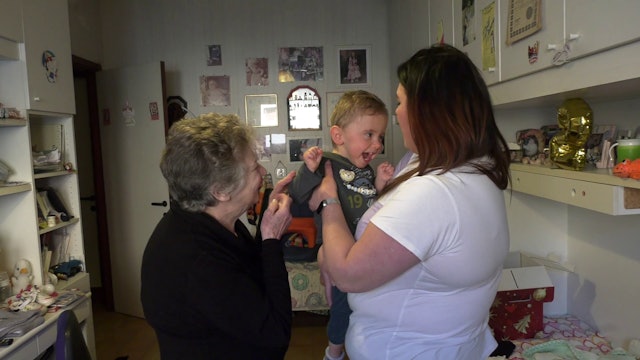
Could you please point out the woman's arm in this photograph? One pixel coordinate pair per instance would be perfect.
(373, 260)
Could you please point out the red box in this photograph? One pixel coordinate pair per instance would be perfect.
(517, 311)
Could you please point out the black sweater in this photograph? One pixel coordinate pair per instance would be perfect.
(211, 295)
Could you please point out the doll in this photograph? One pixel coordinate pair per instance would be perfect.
(22, 275)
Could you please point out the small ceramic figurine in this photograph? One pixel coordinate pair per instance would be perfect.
(22, 275)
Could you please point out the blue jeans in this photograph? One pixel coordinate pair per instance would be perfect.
(338, 316)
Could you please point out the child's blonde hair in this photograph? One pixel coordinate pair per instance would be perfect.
(355, 103)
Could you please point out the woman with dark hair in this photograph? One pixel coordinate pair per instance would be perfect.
(425, 270)
(210, 289)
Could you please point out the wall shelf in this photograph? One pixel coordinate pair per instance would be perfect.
(593, 189)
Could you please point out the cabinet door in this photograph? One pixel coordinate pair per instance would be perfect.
(536, 51)
(478, 34)
(11, 20)
(441, 22)
(48, 56)
(598, 25)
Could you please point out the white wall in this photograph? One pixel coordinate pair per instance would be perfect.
(178, 33)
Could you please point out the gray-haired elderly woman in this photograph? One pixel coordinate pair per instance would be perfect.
(210, 289)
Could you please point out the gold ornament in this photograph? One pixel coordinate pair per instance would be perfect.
(567, 148)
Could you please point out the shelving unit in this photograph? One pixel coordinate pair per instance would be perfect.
(44, 95)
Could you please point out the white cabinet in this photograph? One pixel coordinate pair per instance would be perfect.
(535, 52)
(47, 48)
(478, 35)
(595, 25)
(441, 22)
(11, 20)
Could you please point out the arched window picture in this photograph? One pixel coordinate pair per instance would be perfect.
(304, 109)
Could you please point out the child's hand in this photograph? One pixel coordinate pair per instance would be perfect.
(384, 173)
(312, 158)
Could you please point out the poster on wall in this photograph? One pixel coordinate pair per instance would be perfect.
(524, 18)
(214, 90)
(488, 36)
(468, 22)
(300, 64)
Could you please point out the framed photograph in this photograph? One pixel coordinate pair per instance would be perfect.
(215, 90)
(332, 100)
(214, 57)
(257, 71)
(297, 147)
(524, 18)
(300, 64)
(261, 110)
(353, 62)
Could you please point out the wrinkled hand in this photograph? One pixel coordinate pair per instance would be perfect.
(326, 189)
(277, 216)
(312, 158)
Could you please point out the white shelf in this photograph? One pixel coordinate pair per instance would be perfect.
(593, 189)
(590, 174)
(14, 189)
(59, 225)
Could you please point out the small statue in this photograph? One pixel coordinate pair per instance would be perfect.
(567, 147)
(22, 276)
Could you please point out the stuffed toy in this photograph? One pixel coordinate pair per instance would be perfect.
(22, 276)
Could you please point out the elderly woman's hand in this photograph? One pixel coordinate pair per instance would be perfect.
(277, 216)
(327, 188)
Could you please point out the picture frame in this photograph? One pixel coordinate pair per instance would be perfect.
(354, 63)
(332, 100)
(297, 147)
(261, 110)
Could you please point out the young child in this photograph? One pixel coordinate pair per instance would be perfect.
(358, 125)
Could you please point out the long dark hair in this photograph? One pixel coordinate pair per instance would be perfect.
(450, 116)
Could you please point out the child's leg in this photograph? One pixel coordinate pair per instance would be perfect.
(338, 324)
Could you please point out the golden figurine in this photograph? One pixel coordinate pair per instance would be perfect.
(567, 147)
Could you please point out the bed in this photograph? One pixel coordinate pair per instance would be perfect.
(565, 331)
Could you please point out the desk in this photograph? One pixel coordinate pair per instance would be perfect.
(39, 339)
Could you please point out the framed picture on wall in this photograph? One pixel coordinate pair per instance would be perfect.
(332, 100)
(297, 147)
(261, 110)
(354, 65)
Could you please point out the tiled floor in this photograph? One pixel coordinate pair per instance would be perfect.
(122, 337)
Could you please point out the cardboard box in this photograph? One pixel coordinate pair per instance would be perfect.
(517, 310)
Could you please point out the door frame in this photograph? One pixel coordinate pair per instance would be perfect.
(87, 70)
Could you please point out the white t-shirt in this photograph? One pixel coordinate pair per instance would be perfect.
(438, 309)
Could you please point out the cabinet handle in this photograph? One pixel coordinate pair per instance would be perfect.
(551, 47)
(491, 69)
(163, 204)
(574, 37)
(37, 98)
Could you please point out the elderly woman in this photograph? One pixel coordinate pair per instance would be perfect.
(210, 289)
